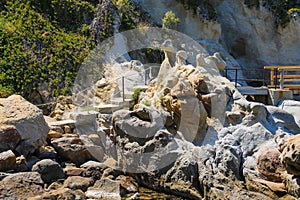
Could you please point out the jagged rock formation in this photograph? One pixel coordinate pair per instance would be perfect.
(231, 161)
(249, 34)
(192, 135)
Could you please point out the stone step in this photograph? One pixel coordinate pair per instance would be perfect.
(247, 90)
(107, 108)
(118, 101)
(126, 103)
(62, 123)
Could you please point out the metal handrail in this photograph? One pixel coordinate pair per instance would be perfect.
(123, 78)
(236, 78)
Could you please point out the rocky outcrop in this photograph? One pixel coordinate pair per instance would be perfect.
(236, 154)
(26, 124)
(191, 23)
(16, 186)
(248, 33)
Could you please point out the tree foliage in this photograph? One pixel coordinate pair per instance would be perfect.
(170, 20)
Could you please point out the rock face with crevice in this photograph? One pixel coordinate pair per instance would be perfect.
(248, 33)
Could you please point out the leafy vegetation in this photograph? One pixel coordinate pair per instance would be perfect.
(283, 10)
(43, 43)
(36, 53)
(170, 20)
(128, 13)
(136, 94)
(203, 7)
(280, 10)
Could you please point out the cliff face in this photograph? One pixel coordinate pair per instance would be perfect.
(190, 23)
(252, 37)
(248, 34)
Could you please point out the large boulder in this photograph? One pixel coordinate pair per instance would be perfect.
(72, 149)
(21, 186)
(139, 125)
(31, 128)
(50, 170)
(269, 165)
(283, 119)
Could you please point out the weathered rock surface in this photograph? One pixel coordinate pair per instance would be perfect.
(106, 189)
(29, 123)
(72, 149)
(292, 184)
(137, 125)
(21, 186)
(238, 156)
(78, 182)
(291, 107)
(61, 193)
(7, 161)
(9, 137)
(270, 166)
(50, 170)
(291, 155)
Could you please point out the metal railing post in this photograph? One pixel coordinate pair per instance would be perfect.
(276, 81)
(123, 88)
(281, 79)
(236, 74)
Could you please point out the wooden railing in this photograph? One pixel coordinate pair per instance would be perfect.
(279, 79)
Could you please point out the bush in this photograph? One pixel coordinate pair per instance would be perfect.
(35, 53)
(5, 91)
(281, 10)
(170, 20)
(136, 94)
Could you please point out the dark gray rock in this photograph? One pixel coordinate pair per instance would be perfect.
(50, 170)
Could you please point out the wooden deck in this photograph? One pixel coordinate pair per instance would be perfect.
(279, 79)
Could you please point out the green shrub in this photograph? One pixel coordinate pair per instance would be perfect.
(147, 103)
(281, 10)
(136, 94)
(35, 52)
(5, 91)
(170, 20)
